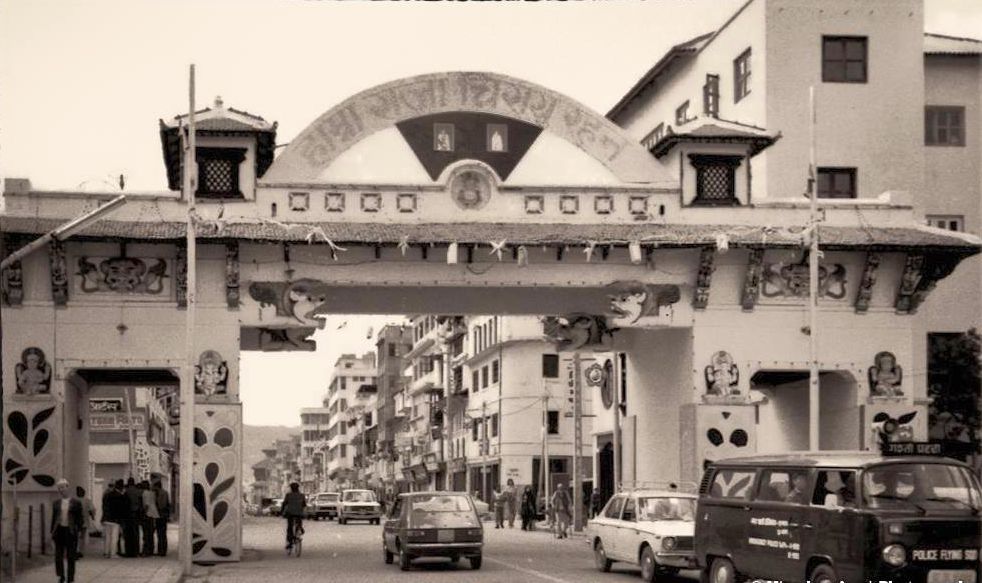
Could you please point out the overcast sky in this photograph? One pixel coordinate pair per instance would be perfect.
(82, 85)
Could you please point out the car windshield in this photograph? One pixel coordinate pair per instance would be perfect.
(666, 508)
(442, 511)
(327, 497)
(924, 487)
(359, 496)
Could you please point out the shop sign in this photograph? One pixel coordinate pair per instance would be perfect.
(114, 405)
(117, 421)
(942, 448)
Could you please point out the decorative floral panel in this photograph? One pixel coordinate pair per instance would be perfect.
(111, 277)
(534, 204)
(638, 205)
(603, 204)
(406, 202)
(569, 204)
(371, 202)
(299, 201)
(217, 496)
(334, 202)
(32, 437)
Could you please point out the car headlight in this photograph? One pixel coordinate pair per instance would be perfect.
(668, 543)
(895, 555)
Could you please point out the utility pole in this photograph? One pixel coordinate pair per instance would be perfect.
(129, 431)
(187, 384)
(544, 469)
(617, 384)
(813, 253)
(486, 450)
(577, 444)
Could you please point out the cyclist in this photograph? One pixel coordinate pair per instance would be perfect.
(294, 504)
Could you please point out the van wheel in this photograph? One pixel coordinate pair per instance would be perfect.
(722, 571)
(823, 574)
(649, 567)
(600, 557)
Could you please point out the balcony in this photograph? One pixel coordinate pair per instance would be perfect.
(429, 382)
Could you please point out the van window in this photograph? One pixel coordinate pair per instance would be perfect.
(775, 485)
(729, 483)
(614, 508)
(630, 510)
(835, 489)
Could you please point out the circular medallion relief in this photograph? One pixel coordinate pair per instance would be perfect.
(470, 188)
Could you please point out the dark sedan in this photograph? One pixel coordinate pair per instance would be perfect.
(433, 524)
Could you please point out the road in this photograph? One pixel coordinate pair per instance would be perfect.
(353, 553)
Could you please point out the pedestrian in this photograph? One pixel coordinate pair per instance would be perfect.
(66, 523)
(88, 519)
(131, 525)
(111, 509)
(511, 502)
(499, 500)
(594, 503)
(150, 516)
(163, 512)
(529, 509)
(561, 505)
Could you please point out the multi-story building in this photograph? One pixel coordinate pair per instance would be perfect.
(273, 474)
(392, 344)
(314, 422)
(350, 373)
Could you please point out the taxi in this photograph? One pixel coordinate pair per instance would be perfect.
(653, 529)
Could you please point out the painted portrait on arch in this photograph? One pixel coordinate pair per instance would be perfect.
(33, 373)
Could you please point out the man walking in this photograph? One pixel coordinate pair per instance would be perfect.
(111, 513)
(561, 505)
(88, 519)
(594, 503)
(163, 512)
(150, 516)
(66, 522)
(511, 507)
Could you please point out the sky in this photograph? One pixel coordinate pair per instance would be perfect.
(82, 85)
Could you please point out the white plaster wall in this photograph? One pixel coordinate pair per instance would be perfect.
(877, 126)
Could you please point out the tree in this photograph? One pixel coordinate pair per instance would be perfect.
(954, 386)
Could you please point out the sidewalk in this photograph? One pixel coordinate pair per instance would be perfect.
(95, 569)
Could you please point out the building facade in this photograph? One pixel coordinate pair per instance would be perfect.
(314, 426)
(351, 373)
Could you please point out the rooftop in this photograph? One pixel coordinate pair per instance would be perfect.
(941, 44)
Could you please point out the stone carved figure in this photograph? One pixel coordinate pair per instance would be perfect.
(470, 189)
(210, 374)
(632, 300)
(13, 284)
(59, 273)
(126, 275)
(722, 375)
(885, 376)
(33, 373)
(576, 331)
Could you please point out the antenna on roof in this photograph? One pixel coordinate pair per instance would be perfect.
(122, 182)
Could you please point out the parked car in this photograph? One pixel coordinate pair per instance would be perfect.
(843, 516)
(275, 507)
(650, 528)
(325, 505)
(359, 505)
(433, 524)
(483, 510)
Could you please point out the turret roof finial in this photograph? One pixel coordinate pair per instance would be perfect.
(219, 104)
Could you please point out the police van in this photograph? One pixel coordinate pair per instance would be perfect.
(827, 517)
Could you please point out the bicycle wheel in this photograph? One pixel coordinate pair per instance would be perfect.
(298, 546)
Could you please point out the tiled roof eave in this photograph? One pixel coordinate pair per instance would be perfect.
(532, 234)
(666, 144)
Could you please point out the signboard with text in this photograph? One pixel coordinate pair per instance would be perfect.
(113, 405)
(944, 448)
(117, 421)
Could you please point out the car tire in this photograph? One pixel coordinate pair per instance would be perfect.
(823, 574)
(341, 521)
(649, 566)
(476, 562)
(721, 570)
(404, 559)
(389, 557)
(600, 557)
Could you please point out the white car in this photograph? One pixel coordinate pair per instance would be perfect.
(650, 528)
(325, 505)
(359, 505)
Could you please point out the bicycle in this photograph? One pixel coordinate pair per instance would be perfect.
(297, 548)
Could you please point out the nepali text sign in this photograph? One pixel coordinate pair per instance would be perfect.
(113, 405)
(116, 421)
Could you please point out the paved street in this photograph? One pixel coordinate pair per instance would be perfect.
(353, 553)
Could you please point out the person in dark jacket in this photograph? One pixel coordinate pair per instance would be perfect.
(529, 509)
(110, 520)
(294, 504)
(134, 514)
(66, 524)
(163, 510)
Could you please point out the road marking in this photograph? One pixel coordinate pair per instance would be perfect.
(526, 570)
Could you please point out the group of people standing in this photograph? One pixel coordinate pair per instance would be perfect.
(134, 519)
(559, 508)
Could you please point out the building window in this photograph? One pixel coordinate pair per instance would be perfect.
(484, 377)
(603, 204)
(741, 76)
(443, 137)
(299, 201)
(710, 96)
(393, 350)
(949, 222)
(473, 430)
(494, 425)
(569, 204)
(837, 183)
(715, 179)
(638, 205)
(844, 59)
(334, 202)
(552, 423)
(406, 202)
(550, 366)
(494, 371)
(534, 204)
(944, 125)
(344, 450)
(344, 430)
(682, 113)
(497, 138)
(371, 202)
(218, 172)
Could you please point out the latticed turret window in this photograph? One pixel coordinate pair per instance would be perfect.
(218, 172)
(715, 179)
